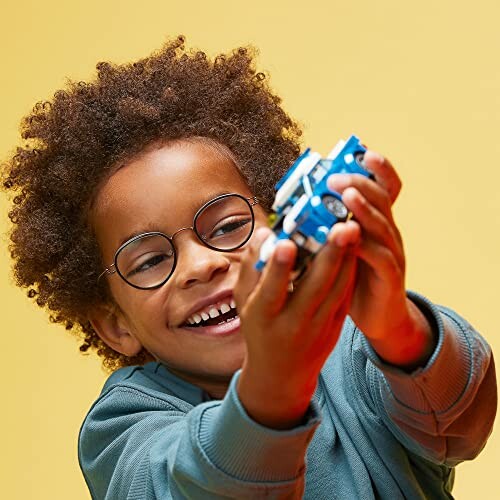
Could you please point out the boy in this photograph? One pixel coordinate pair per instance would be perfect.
(141, 202)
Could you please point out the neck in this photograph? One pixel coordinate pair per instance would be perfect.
(215, 390)
(215, 387)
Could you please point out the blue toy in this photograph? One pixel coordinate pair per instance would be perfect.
(304, 208)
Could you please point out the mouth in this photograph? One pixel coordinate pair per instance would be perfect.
(218, 318)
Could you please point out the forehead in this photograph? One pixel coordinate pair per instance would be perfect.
(162, 188)
(193, 165)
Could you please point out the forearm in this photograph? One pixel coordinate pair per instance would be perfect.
(258, 441)
(136, 446)
(445, 409)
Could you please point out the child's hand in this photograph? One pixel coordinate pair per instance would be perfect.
(289, 337)
(396, 328)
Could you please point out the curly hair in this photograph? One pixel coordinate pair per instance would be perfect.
(73, 140)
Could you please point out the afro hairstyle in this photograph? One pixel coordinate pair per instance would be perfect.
(72, 142)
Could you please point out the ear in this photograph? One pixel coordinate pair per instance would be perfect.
(112, 327)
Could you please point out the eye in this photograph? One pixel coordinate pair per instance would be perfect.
(226, 227)
(151, 263)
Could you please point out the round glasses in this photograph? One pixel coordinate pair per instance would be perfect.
(148, 260)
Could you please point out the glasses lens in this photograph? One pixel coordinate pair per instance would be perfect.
(225, 223)
(147, 261)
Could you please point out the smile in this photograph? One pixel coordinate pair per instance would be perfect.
(220, 327)
(214, 314)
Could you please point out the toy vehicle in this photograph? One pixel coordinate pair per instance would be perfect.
(304, 208)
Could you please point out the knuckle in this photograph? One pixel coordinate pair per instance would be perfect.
(397, 233)
(393, 266)
(398, 186)
(361, 200)
(386, 231)
(352, 195)
(385, 200)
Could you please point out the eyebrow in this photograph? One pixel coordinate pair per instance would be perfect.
(150, 228)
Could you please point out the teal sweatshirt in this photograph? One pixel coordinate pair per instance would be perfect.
(372, 431)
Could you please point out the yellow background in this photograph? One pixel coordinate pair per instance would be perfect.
(417, 81)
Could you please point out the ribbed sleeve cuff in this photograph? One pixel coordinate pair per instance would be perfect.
(439, 384)
(248, 451)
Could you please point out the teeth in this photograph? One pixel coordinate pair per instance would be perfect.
(213, 312)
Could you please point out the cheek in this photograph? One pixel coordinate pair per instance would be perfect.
(121, 293)
(261, 218)
(141, 307)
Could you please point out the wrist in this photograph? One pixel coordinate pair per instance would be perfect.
(411, 343)
(273, 403)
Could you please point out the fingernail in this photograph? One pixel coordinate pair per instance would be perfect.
(338, 181)
(337, 237)
(282, 254)
(372, 156)
(338, 240)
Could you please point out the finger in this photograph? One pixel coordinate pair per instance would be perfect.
(332, 328)
(373, 223)
(345, 234)
(317, 281)
(248, 275)
(323, 329)
(385, 173)
(372, 191)
(271, 292)
(336, 303)
(382, 262)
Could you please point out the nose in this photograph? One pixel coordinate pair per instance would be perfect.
(197, 263)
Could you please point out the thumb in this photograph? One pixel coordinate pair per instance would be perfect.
(248, 275)
(271, 292)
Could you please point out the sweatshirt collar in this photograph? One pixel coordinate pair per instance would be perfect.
(180, 388)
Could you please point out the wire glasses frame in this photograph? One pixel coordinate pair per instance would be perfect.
(115, 268)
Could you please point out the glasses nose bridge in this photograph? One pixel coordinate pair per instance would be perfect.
(181, 230)
(187, 228)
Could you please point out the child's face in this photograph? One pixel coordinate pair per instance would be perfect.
(161, 190)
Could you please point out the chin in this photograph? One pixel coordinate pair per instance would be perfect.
(230, 368)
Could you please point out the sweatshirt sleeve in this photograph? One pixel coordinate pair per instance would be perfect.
(135, 445)
(445, 410)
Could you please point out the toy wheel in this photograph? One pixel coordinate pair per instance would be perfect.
(359, 157)
(335, 207)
